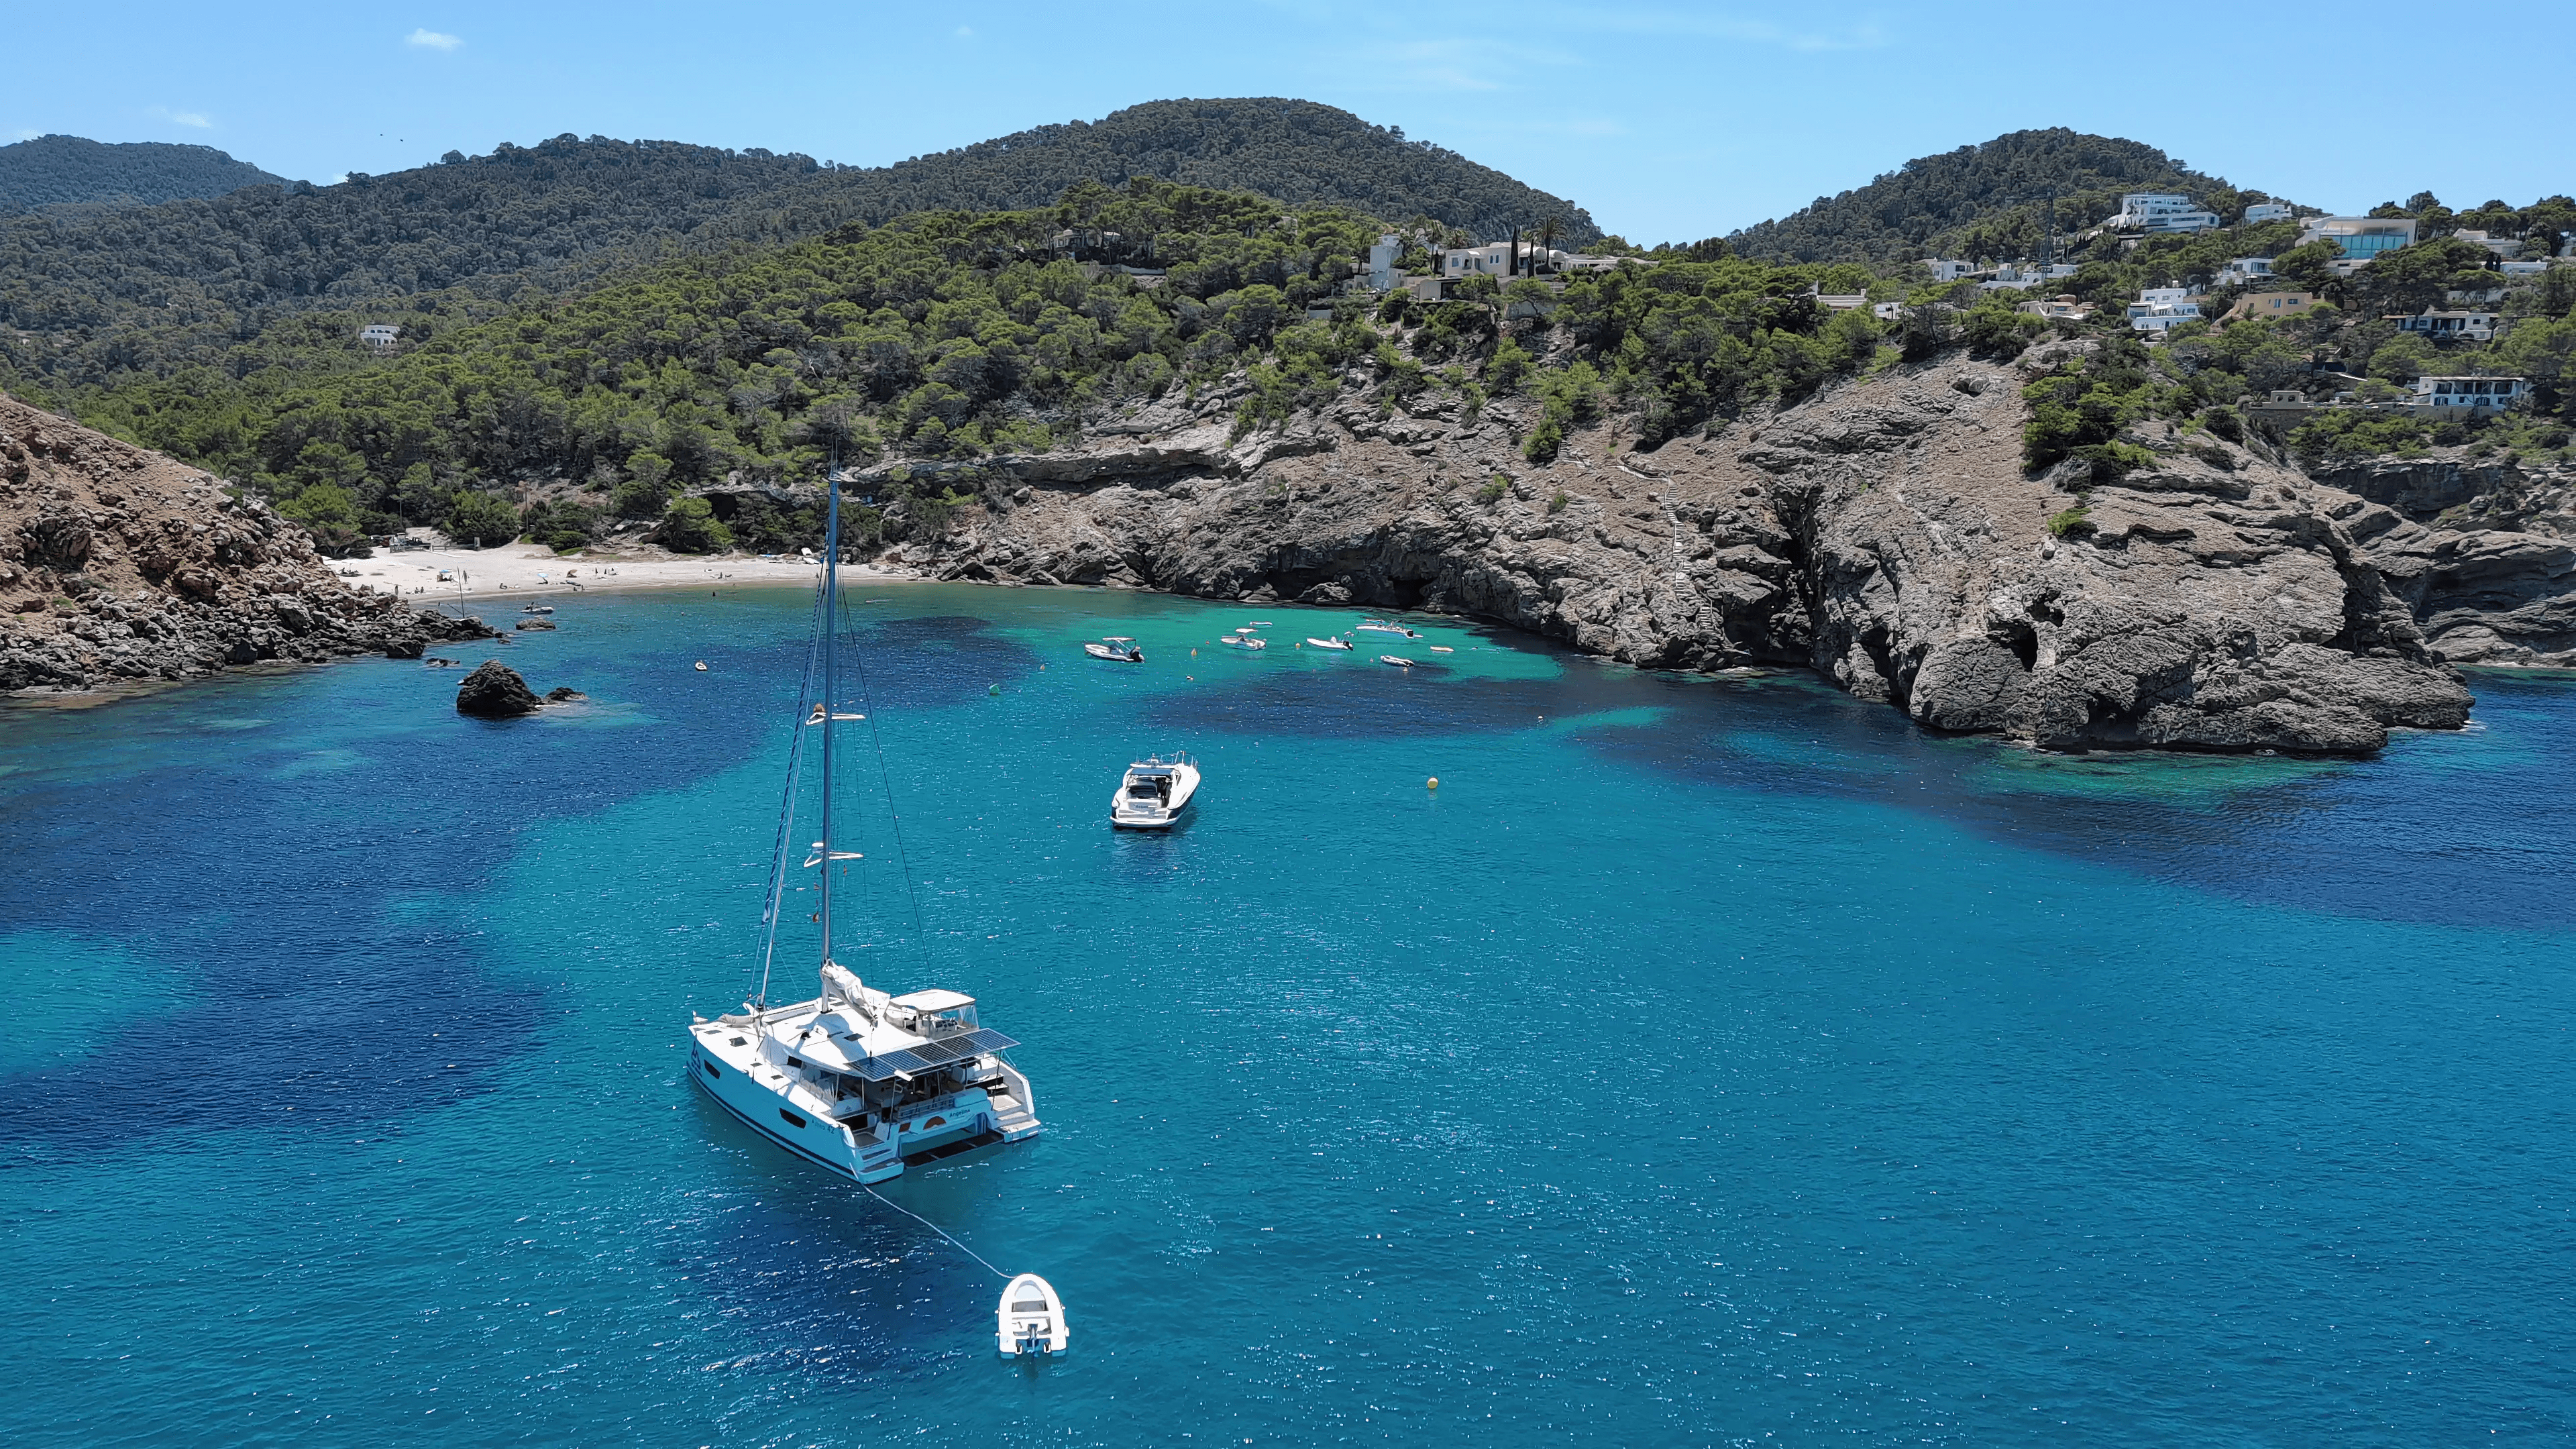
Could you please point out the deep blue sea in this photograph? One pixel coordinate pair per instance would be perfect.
(1702, 1062)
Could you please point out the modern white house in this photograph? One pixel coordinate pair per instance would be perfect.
(2159, 212)
(2451, 326)
(2263, 211)
(1381, 262)
(2066, 308)
(2505, 248)
(2475, 395)
(2161, 309)
(379, 336)
(1494, 259)
(2243, 272)
(1949, 270)
(2361, 237)
(2022, 276)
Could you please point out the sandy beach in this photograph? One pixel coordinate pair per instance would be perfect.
(520, 570)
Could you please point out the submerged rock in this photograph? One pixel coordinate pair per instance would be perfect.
(565, 694)
(495, 691)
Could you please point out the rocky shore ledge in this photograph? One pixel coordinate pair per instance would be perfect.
(1883, 533)
(122, 565)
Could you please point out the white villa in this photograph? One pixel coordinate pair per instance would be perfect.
(2478, 396)
(2160, 212)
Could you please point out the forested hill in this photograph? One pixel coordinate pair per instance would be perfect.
(1289, 150)
(148, 289)
(54, 170)
(1983, 200)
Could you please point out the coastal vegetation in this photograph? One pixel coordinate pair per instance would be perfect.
(100, 298)
(952, 336)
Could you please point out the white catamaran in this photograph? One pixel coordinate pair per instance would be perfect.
(863, 1082)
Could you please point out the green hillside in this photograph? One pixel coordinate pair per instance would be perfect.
(69, 170)
(947, 336)
(151, 289)
(1982, 201)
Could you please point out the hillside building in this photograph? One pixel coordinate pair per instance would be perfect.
(1382, 269)
(2243, 272)
(2475, 396)
(2161, 212)
(379, 336)
(2270, 304)
(1497, 260)
(2450, 326)
(2361, 237)
(2159, 310)
(2505, 248)
(2263, 211)
(1948, 270)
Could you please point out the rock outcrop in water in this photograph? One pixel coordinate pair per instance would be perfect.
(121, 564)
(1883, 533)
(495, 691)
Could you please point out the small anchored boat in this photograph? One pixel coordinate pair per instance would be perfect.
(538, 609)
(1398, 660)
(1154, 793)
(1030, 1319)
(1328, 643)
(1442, 649)
(1381, 626)
(1244, 641)
(1116, 647)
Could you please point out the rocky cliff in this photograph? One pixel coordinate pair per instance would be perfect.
(1882, 532)
(121, 564)
(2482, 551)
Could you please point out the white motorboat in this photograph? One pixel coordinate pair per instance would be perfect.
(1328, 643)
(1442, 649)
(861, 1082)
(1398, 660)
(538, 609)
(1381, 626)
(1116, 647)
(1154, 793)
(1244, 641)
(1031, 1318)
(1258, 624)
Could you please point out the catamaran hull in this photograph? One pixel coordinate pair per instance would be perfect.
(931, 1132)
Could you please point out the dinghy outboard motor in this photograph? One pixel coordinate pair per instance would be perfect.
(1030, 1319)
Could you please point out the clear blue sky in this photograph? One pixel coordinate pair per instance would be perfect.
(1667, 122)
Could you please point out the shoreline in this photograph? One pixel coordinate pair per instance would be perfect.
(521, 571)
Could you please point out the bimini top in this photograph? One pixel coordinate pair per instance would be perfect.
(934, 999)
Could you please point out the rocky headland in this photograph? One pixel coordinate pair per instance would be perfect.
(1883, 532)
(122, 565)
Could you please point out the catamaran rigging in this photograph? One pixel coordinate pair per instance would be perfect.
(864, 1083)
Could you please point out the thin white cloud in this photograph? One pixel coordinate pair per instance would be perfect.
(1865, 35)
(28, 134)
(965, 32)
(195, 120)
(428, 39)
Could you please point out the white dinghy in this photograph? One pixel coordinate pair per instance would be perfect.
(1328, 643)
(1031, 1318)
(1398, 660)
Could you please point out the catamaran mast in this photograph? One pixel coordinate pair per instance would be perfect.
(831, 694)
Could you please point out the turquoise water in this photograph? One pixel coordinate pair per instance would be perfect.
(1702, 1062)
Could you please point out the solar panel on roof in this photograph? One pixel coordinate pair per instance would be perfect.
(931, 1054)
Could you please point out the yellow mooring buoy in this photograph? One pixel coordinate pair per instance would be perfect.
(1434, 782)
